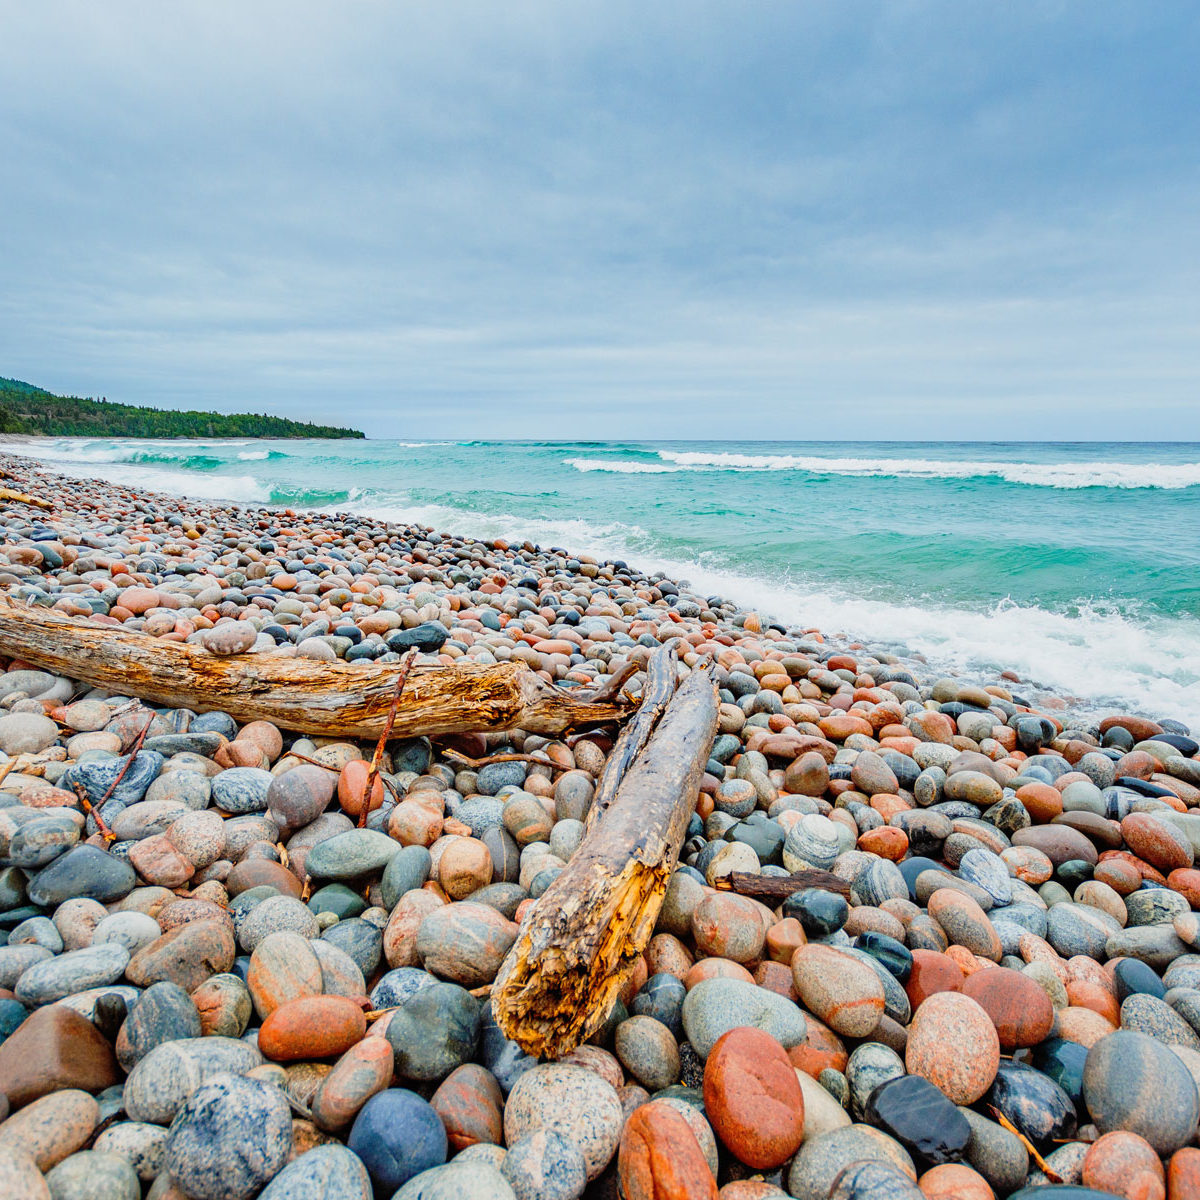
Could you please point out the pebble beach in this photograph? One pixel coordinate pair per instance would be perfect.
(216, 983)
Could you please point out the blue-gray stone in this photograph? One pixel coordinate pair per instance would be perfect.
(231, 1137)
(406, 870)
(435, 1030)
(323, 1173)
(241, 789)
(397, 1135)
(350, 855)
(97, 775)
(76, 971)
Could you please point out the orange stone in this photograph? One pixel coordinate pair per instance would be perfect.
(660, 1159)
(821, 1048)
(932, 972)
(1125, 1164)
(1020, 1010)
(954, 1181)
(1183, 1174)
(471, 1106)
(753, 1099)
(311, 1027)
(1043, 802)
(352, 787)
(716, 968)
(887, 841)
(366, 1068)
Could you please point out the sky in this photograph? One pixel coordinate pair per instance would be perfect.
(796, 219)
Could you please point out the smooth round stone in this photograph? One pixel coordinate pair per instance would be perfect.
(1155, 945)
(276, 914)
(26, 733)
(842, 991)
(662, 997)
(1074, 929)
(397, 1135)
(434, 1031)
(1020, 1010)
(1059, 843)
(351, 855)
(1147, 1014)
(299, 796)
(878, 881)
(495, 776)
(142, 1145)
(133, 930)
(224, 1004)
(190, 788)
(965, 923)
(1062, 1061)
(481, 813)
(647, 1050)
(75, 971)
(870, 1065)
(364, 1070)
(321, 1173)
(186, 956)
(1157, 842)
(229, 1139)
(465, 942)
(242, 789)
(94, 1175)
(1033, 1102)
(821, 913)
(1154, 906)
(338, 899)
(728, 926)
(812, 842)
(408, 869)
(715, 1006)
(569, 1100)
(164, 1013)
(458, 1181)
(82, 872)
(988, 871)
(1132, 1082)
(283, 967)
(822, 1159)
(893, 955)
(160, 1083)
(953, 1043)
(359, 940)
(545, 1165)
(311, 1027)
(862, 1180)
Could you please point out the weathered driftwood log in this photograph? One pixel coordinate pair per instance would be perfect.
(302, 694)
(660, 687)
(579, 944)
(9, 496)
(774, 888)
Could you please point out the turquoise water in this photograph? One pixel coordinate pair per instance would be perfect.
(1077, 565)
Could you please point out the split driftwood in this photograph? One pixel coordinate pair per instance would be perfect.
(660, 687)
(10, 496)
(333, 699)
(774, 888)
(580, 942)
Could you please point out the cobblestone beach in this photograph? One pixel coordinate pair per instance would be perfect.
(218, 983)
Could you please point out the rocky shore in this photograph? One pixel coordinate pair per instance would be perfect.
(216, 985)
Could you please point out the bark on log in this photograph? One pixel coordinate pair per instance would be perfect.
(302, 694)
(580, 942)
(660, 687)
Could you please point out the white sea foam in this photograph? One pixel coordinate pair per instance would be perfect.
(253, 455)
(1056, 475)
(621, 466)
(1099, 659)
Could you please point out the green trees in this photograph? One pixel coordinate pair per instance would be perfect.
(31, 410)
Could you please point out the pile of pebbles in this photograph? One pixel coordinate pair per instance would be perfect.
(240, 992)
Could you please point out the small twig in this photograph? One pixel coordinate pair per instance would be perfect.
(137, 749)
(376, 1013)
(401, 678)
(8, 766)
(1005, 1123)
(93, 810)
(481, 993)
(312, 762)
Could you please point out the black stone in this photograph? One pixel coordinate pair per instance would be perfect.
(820, 913)
(895, 956)
(910, 868)
(920, 1117)
(662, 997)
(1063, 1062)
(434, 1031)
(428, 637)
(1033, 1102)
(1134, 978)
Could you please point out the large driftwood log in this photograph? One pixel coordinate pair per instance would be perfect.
(660, 687)
(580, 942)
(325, 698)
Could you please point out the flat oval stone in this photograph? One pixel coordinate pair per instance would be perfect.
(471, 1105)
(75, 971)
(363, 1071)
(185, 956)
(953, 1043)
(83, 872)
(242, 789)
(660, 1157)
(351, 855)
(93, 1173)
(230, 1137)
(1059, 843)
(311, 1027)
(51, 1128)
(434, 1031)
(752, 1098)
(920, 1118)
(160, 1083)
(821, 1160)
(715, 1006)
(1020, 1010)
(845, 993)
(465, 942)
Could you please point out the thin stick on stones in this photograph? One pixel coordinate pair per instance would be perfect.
(137, 749)
(405, 664)
(94, 811)
(780, 887)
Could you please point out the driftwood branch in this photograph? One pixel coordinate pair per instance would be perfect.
(302, 694)
(10, 496)
(660, 687)
(580, 941)
(780, 887)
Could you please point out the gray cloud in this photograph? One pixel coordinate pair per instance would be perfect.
(892, 220)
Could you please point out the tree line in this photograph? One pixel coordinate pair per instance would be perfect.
(32, 410)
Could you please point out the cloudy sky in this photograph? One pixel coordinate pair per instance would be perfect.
(791, 219)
